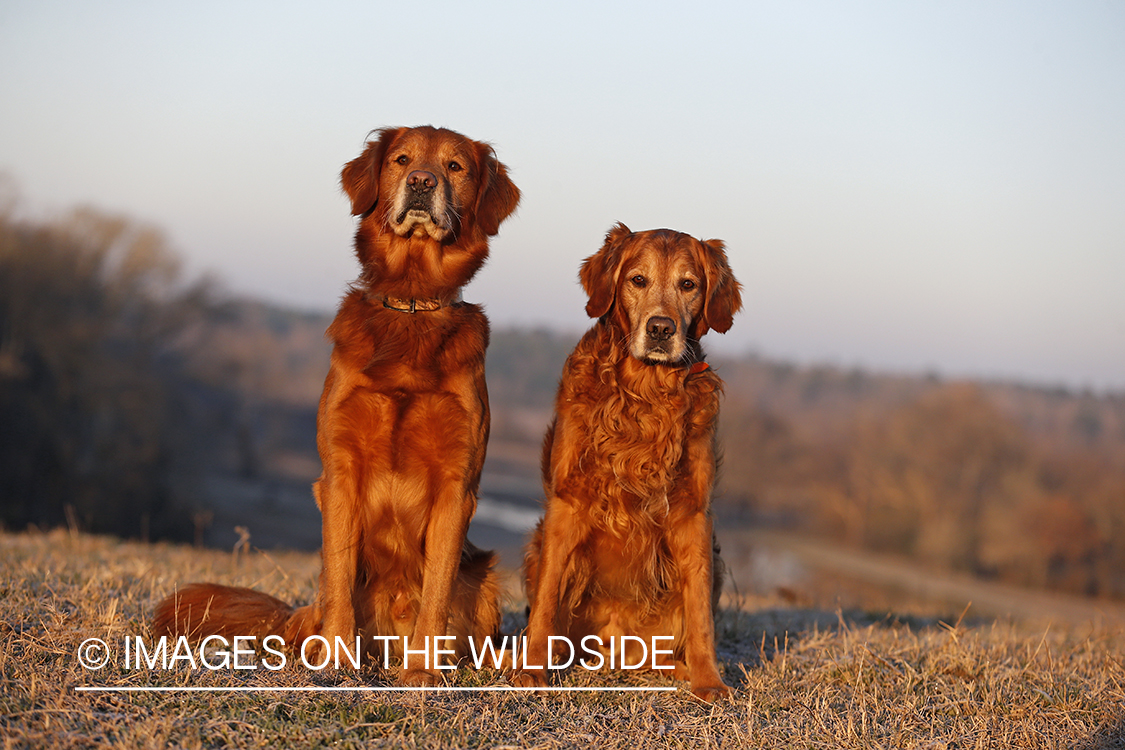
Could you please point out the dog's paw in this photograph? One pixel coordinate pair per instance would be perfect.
(528, 679)
(417, 678)
(316, 652)
(711, 693)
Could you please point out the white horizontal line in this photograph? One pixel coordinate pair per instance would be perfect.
(508, 516)
(333, 689)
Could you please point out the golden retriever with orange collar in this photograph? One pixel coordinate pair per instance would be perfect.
(626, 546)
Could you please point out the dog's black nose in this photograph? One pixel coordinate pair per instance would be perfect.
(421, 181)
(661, 328)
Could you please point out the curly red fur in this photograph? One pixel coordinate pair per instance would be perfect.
(626, 544)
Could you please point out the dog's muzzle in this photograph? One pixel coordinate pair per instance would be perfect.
(659, 343)
(420, 187)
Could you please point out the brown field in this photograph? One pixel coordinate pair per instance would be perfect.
(805, 676)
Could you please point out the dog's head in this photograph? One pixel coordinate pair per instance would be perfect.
(664, 289)
(431, 182)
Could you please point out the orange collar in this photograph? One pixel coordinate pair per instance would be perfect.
(698, 367)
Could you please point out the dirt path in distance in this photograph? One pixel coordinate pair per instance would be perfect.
(818, 571)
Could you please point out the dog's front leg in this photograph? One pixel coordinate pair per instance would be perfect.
(453, 484)
(335, 494)
(558, 540)
(692, 544)
(445, 537)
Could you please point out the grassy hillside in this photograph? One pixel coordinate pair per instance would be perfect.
(804, 677)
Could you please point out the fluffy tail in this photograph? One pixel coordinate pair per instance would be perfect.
(202, 609)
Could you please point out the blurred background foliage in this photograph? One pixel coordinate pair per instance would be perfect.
(91, 374)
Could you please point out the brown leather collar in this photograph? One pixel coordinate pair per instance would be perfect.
(413, 305)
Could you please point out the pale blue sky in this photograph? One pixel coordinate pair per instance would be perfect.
(902, 186)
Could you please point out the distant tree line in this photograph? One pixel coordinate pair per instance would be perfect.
(1005, 482)
(91, 376)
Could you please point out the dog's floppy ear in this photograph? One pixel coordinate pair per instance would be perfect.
(498, 196)
(599, 272)
(360, 178)
(723, 296)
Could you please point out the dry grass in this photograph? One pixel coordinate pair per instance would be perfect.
(804, 678)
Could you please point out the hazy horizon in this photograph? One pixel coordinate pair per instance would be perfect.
(932, 187)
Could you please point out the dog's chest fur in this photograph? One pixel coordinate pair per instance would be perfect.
(633, 421)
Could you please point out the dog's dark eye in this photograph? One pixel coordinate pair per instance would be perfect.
(454, 166)
(639, 281)
(687, 285)
(402, 159)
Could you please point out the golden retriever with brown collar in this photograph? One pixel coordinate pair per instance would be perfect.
(403, 419)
